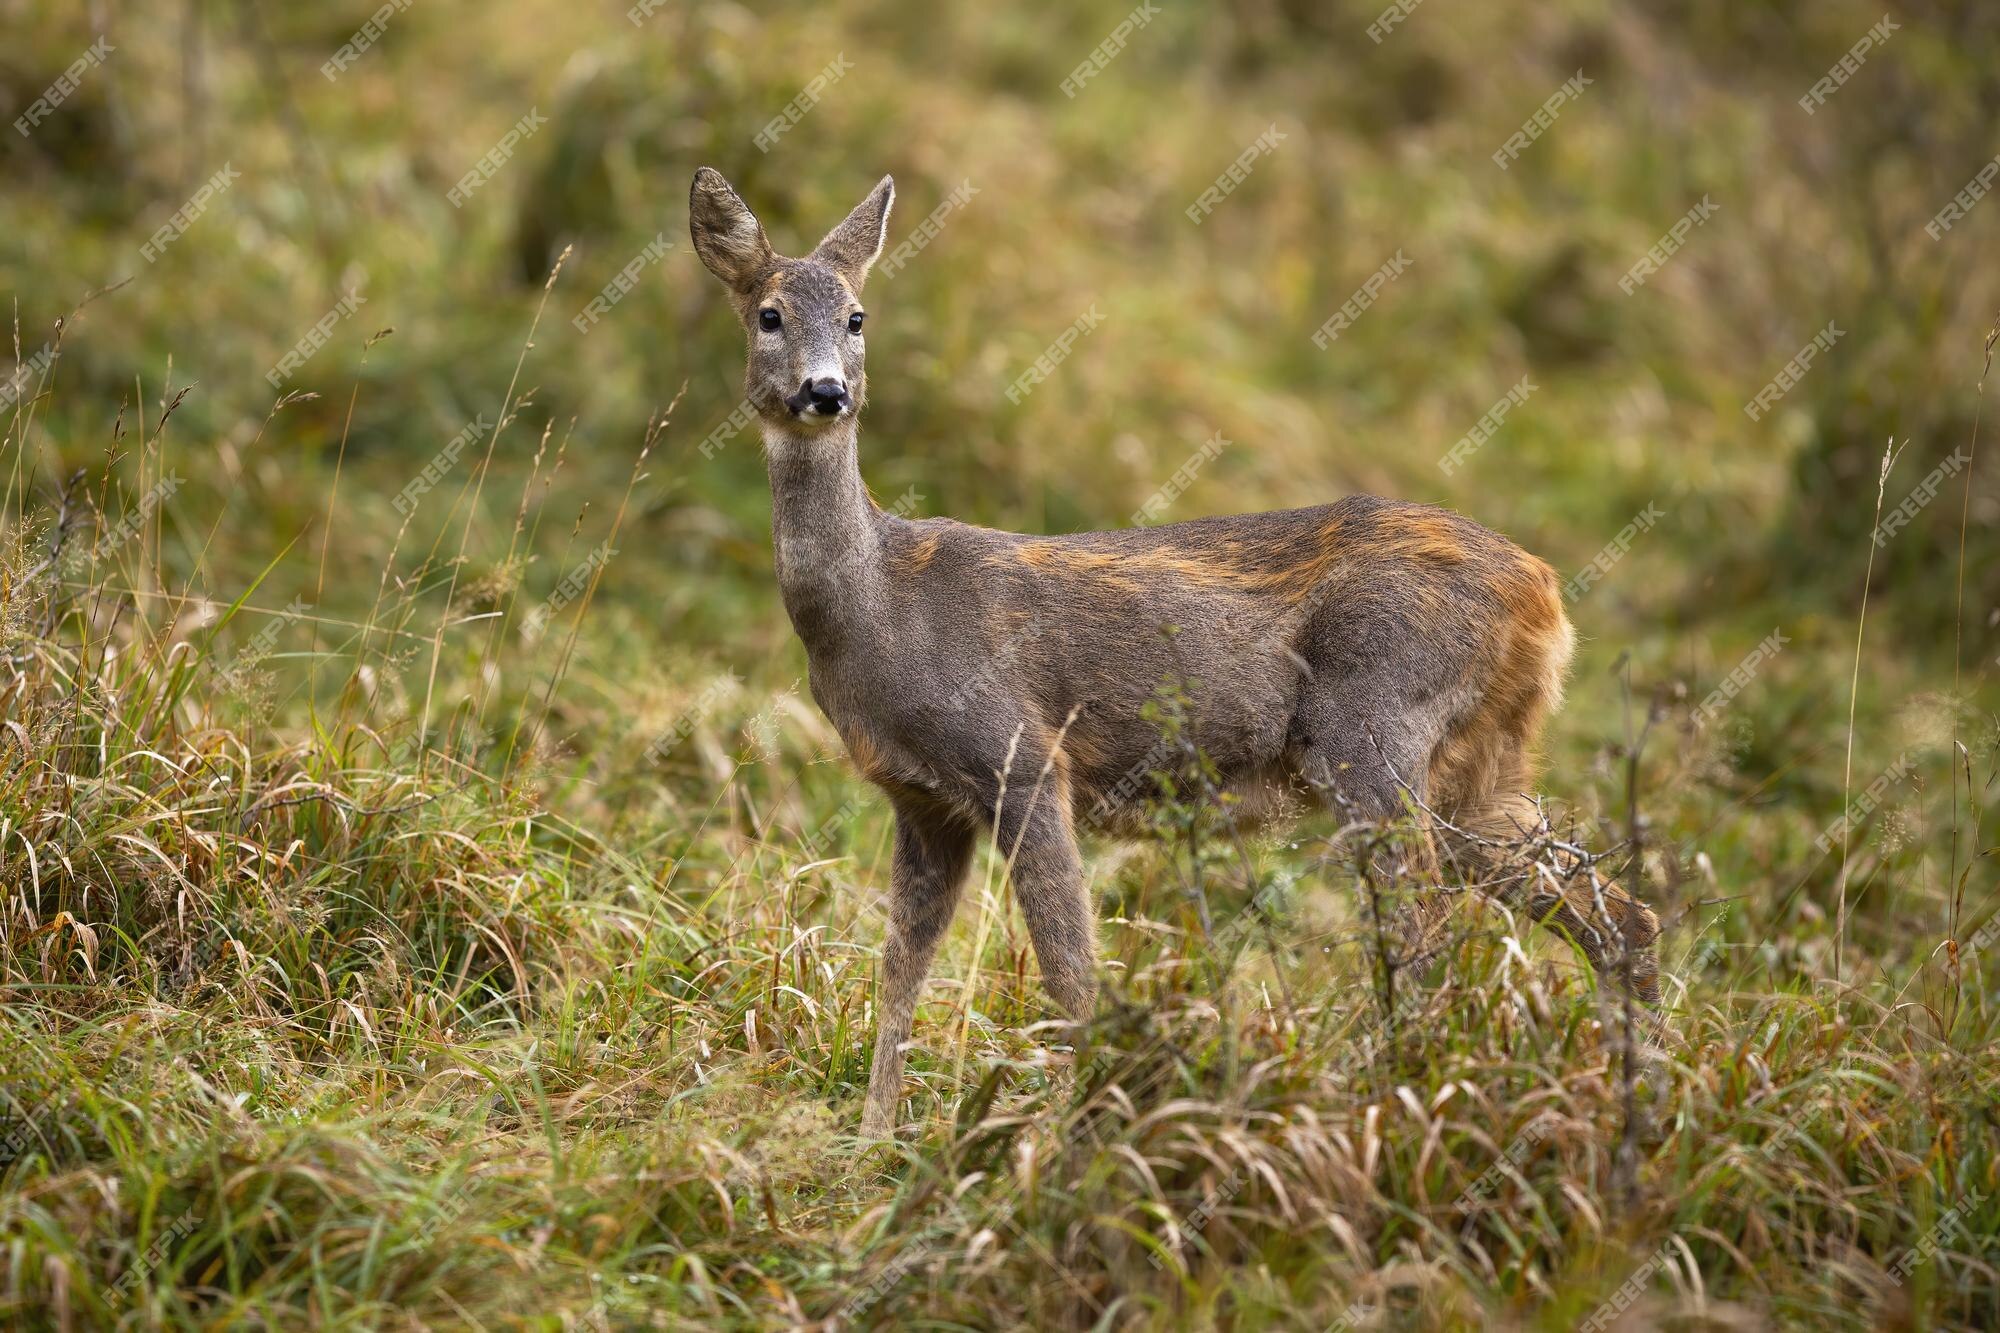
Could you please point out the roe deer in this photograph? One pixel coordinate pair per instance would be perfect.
(1355, 653)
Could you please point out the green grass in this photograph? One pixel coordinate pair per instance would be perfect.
(361, 967)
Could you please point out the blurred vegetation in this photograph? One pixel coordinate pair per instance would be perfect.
(389, 953)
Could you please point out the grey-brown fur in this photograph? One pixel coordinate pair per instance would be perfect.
(993, 681)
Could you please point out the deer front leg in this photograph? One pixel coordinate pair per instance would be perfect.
(925, 875)
(1047, 874)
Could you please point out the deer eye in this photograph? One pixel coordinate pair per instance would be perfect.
(767, 318)
(854, 322)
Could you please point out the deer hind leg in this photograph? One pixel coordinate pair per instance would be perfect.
(1499, 843)
(928, 868)
(1373, 773)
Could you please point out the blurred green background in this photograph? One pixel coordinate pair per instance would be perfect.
(397, 952)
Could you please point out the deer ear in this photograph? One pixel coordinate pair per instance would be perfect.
(726, 233)
(852, 246)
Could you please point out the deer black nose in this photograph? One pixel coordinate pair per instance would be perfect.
(826, 396)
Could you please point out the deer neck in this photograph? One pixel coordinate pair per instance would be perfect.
(826, 534)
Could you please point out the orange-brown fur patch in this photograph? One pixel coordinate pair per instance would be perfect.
(1490, 752)
(1426, 535)
(868, 756)
(1080, 747)
(918, 558)
(1419, 537)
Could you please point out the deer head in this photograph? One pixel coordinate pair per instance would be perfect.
(803, 317)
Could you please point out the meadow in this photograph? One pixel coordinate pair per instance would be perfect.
(432, 899)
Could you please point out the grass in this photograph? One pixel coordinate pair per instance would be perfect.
(457, 914)
(393, 1040)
